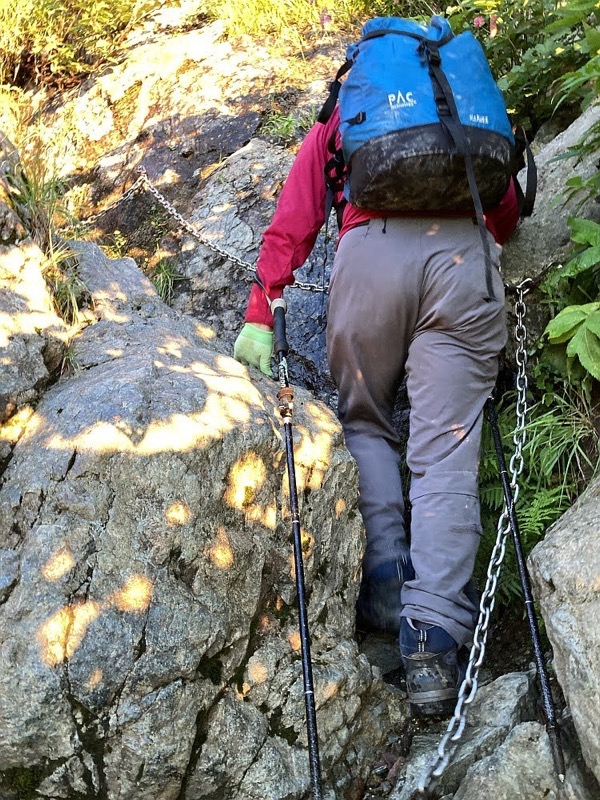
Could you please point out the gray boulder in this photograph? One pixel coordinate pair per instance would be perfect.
(565, 567)
(147, 599)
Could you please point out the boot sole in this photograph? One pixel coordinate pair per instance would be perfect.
(438, 703)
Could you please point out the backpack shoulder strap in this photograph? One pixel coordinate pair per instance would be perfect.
(334, 90)
(335, 174)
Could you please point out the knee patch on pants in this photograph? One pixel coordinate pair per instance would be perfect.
(447, 482)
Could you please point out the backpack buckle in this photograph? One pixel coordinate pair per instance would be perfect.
(429, 52)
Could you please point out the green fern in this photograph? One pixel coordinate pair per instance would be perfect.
(561, 454)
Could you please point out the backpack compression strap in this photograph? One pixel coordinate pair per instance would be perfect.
(449, 117)
(526, 200)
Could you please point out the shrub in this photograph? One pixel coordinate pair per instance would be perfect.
(531, 45)
(56, 40)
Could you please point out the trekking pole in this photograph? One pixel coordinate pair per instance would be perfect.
(285, 396)
(549, 709)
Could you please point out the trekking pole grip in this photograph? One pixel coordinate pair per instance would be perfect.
(278, 309)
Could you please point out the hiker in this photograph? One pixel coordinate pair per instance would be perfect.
(407, 299)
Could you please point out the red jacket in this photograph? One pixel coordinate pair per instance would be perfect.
(300, 215)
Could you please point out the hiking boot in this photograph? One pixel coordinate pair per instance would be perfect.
(433, 666)
(378, 606)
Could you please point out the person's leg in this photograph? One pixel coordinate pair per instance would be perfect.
(373, 304)
(451, 370)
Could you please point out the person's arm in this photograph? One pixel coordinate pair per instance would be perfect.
(299, 216)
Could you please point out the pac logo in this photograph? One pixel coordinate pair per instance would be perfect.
(401, 100)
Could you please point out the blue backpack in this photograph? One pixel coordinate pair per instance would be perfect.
(424, 127)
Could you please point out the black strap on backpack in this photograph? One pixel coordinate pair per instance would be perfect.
(448, 114)
(334, 91)
(335, 176)
(525, 199)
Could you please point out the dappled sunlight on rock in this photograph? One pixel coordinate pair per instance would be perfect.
(30, 323)
(307, 542)
(135, 595)
(95, 680)
(227, 406)
(257, 672)
(60, 636)
(312, 456)
(323, 417)
(232, 368)
(111, 299)
(340, 508)
(263, 516)
(327, 691)
(183, 432)
(172, 347)
(220, 552)
(58, 565)
(13, 428)
(178, 514)
(294, 641)
(204, 332)
(246, 477)
(99, 438)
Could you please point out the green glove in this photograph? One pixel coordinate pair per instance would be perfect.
(253, 347)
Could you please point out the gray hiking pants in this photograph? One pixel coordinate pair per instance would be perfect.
(407, 298)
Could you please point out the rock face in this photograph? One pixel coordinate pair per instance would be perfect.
(566, 570)
(543, 238)
(149, 637)
(32, 335)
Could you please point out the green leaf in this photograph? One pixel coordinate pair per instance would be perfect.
(593, 322)
(586, 260)
(586, 346)
(584, 231)
(592, 37)
(565, 324)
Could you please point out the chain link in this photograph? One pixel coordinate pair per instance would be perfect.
(456, 726)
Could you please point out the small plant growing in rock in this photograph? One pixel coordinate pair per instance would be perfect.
(164, 276)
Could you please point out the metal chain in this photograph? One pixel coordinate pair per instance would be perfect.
(456, 726)
(143, 182)
(133, 189)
